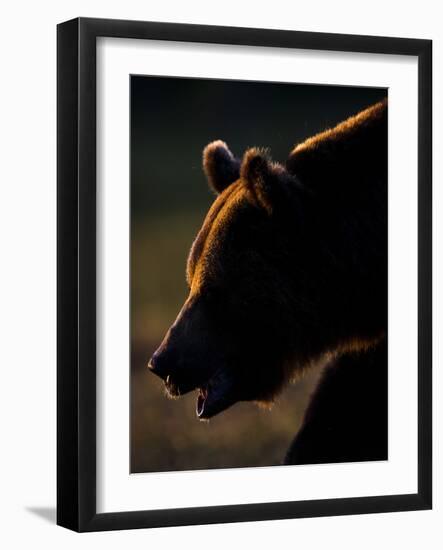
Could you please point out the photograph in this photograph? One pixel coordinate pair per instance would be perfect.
(258, 274)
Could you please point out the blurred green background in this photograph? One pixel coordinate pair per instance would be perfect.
(172, 119)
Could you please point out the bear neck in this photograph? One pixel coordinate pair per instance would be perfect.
(348, 160)
(344, 231)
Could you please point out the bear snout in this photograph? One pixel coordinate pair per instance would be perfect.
(179, 376)
(164, 366)
(158, 365)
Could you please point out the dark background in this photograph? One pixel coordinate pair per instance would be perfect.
(172, 119)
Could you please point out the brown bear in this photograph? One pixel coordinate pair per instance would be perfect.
(290, 269)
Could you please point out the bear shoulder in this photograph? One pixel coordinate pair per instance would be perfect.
(359, 141)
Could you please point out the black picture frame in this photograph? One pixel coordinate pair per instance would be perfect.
(76, 277)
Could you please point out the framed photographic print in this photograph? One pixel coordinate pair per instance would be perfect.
(244, 274)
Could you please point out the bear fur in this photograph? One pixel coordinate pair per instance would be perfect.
(290, 269)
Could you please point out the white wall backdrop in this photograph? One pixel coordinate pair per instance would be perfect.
(27, 273)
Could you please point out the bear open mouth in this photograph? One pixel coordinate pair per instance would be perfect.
(215, 396)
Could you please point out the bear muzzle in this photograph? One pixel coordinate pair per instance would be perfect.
(216, 390)
(190, 358)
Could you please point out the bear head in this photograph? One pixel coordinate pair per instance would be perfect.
(264, 287)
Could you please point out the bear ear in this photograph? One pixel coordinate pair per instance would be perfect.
(220, 166)
(263, 178)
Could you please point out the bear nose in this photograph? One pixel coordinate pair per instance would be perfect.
(158, 364)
